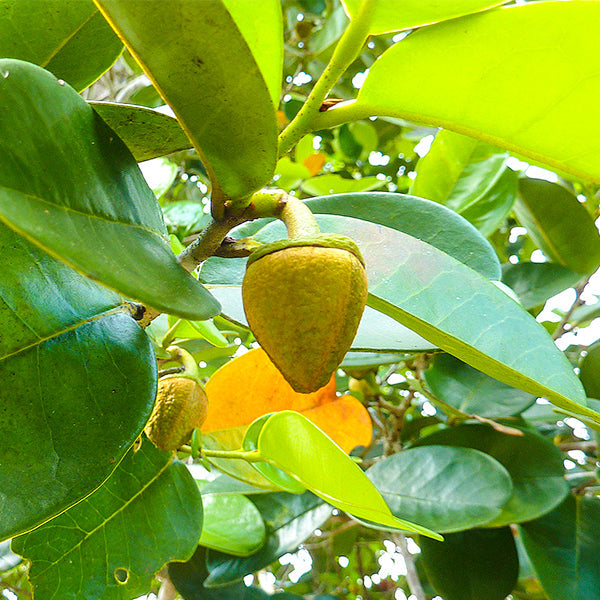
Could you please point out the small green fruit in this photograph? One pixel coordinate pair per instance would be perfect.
(304, 299)
(180, 407)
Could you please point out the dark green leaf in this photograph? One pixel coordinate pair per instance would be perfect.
(534, 283)
(534, 464)
(289, 519)
(559, 224)
(446, 489)
(79, 380)
(590, 371)
(472, 565)
(474, 392)
(110, 545)
(450, 75)
(70, 38)
(189, 577)
(198, 56)
(563, 547)
(69, 184)
(146, 132)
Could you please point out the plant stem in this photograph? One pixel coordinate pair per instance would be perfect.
(412, 577)
(561, 329)
(344, 54)
(299, 220)
(248, 456)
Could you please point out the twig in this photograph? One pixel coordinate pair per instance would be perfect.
(561, 327)
(167, 590)
(412, 577)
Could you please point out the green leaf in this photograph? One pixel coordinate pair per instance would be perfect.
(447, 489)
(232, 524)
(534, 464)
(291, 442)
(189, 577)
(78, 384)
(563, 547)
(468, 176)
(70, 38)
(110, 545)
(458, 80)
(289, 518)
(147, 133)
(559, 224)
(534, 283)
(330, 183)
(389, 16)
(589, 371)
(199, 59)
(68, 184)
(428, 221)
(471, 391)
(472, 565)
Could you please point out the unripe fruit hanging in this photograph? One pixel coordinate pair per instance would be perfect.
(304, 298)
(180, 406)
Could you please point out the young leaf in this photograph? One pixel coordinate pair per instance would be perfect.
(460, 81)
(446, 489)
(534, 464)
(69, 39)
(112, 543)
(563, 547)
(68, 184)
(289, 519)
(559, 224)
(78, 384)
(472, 565)
(390, 16)
(291, 442)
(147, 133)
(199, 59)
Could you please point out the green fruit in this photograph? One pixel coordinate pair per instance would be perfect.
(180, 407)
(304, 299)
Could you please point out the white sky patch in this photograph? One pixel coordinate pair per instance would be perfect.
(378, 159)
(302, 78)
(422, 148)
(301, 561)
(359, 79)
(539, 173)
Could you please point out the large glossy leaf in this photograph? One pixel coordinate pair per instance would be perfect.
(70, 185)
(468, 176)
(389, 15)
(79, 380)
(70, 38)
(559, 224)
(200, 61)
(425, 220)
(110, 545)
(232, 524)
(291, 442)
(289, 519)
(534, 464)
(462, 82)
(447, 489)
(472, 565)
(146, 132)
(534, 283)
(563, 547)
(474, 392)
(189, 577)
(451, 306)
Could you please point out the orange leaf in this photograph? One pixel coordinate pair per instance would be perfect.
(250, 386)
(314, 162)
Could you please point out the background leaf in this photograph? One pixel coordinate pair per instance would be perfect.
(164, 38)
(110, 545)
(79, 381)
(474, 392)
(389, 16)
(68, 184)
(563, 547)
(147, 133)
(289, 519)
(540, 116)
(446, 489)
(534, 464)
(69, 38)
(472, 565)
(559, 224)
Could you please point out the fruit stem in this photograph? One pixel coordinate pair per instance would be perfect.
(298, 219)
(190, 368)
